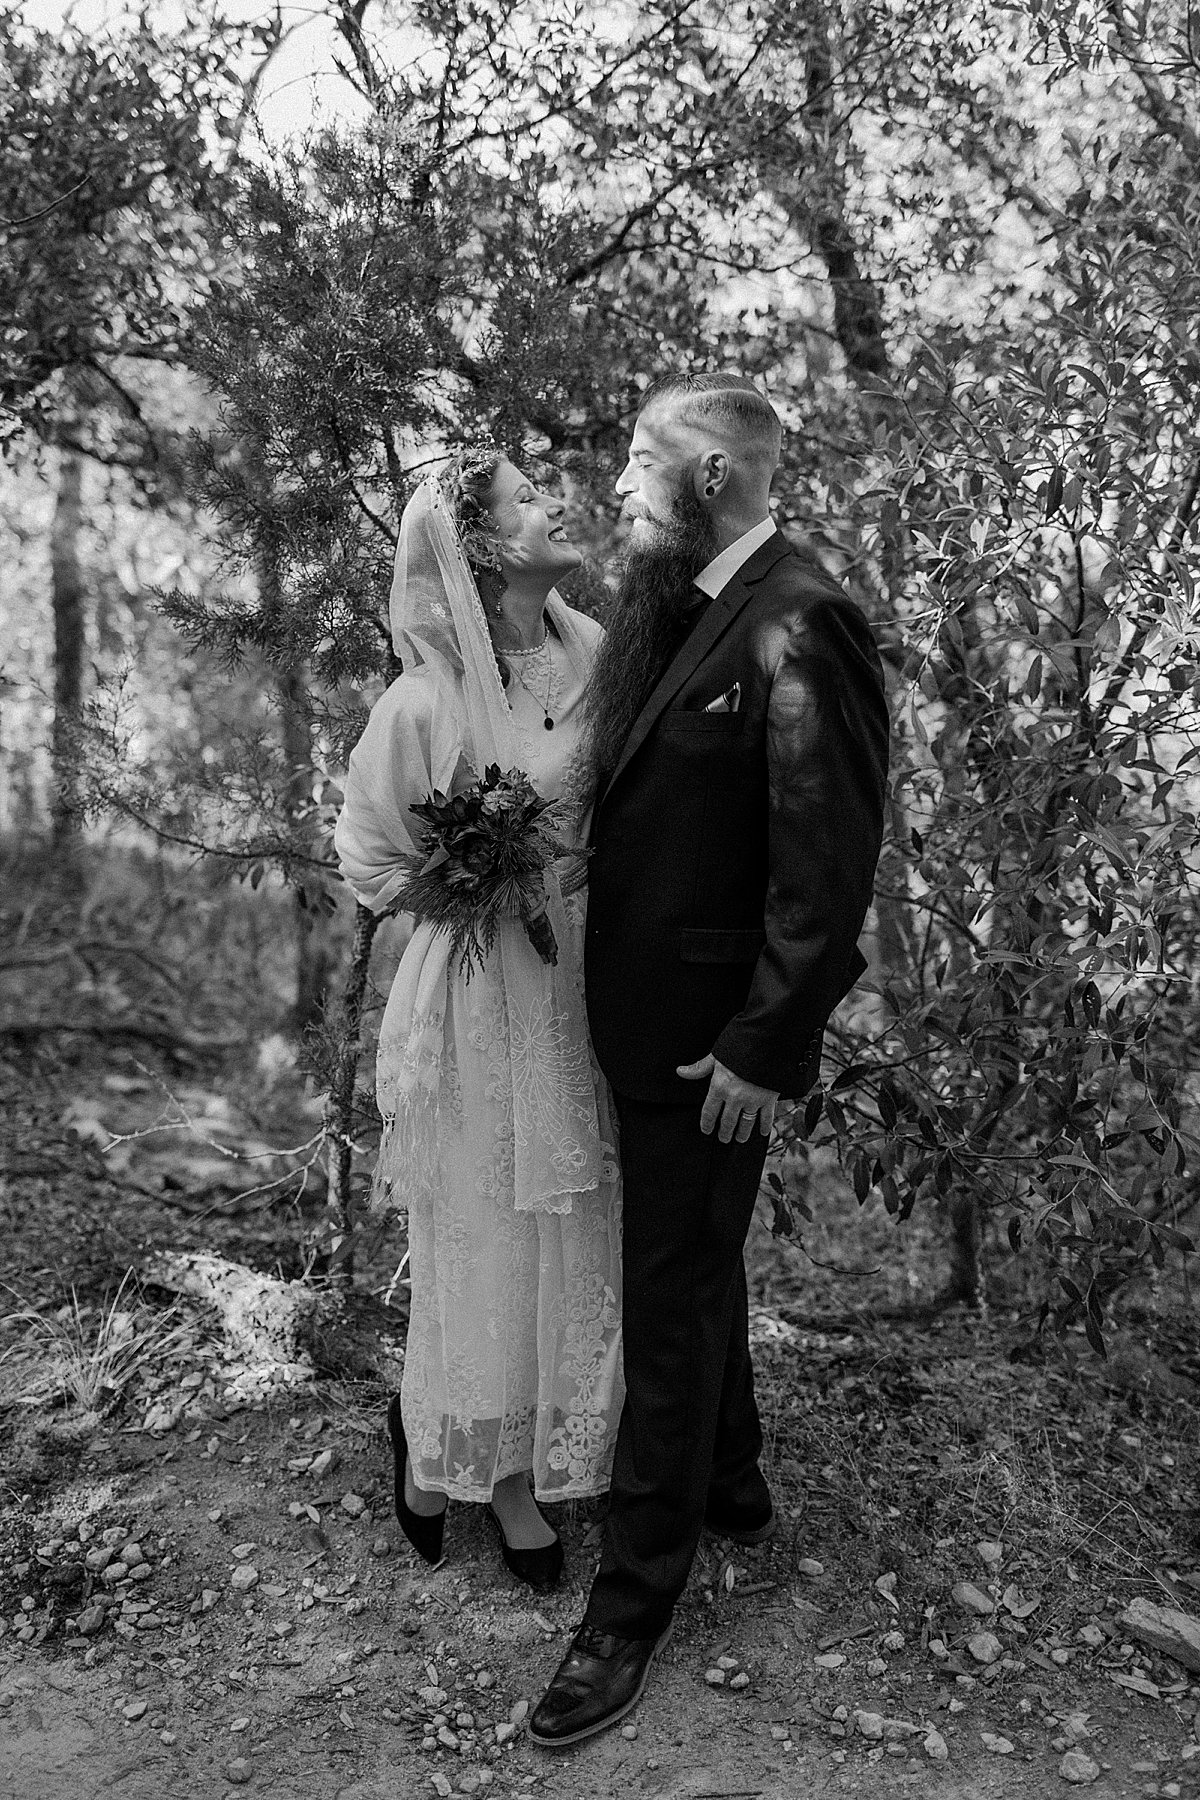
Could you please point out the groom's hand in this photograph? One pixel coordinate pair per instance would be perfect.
(734, 1106)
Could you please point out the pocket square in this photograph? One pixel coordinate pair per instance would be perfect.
(729, 701)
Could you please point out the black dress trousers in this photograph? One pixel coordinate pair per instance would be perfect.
(689, 1430)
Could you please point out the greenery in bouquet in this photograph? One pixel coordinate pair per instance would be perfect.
(483, 858)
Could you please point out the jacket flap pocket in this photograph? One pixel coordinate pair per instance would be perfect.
(700, 946)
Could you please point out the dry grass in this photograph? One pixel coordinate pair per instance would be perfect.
(85, 1357)
(894, 1439)
(901, 1447)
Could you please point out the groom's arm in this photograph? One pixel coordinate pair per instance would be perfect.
(827, 771)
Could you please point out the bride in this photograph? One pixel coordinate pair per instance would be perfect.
(497, 1145)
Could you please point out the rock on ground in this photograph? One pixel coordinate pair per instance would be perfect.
(1165, 1629)
(1078, 1767)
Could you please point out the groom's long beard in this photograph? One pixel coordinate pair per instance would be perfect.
(654, 593)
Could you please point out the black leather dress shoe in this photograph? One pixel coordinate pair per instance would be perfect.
(743, 1525)
(601, 1678)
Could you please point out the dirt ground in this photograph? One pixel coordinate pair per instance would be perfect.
(336, 1671)
(200, 1593)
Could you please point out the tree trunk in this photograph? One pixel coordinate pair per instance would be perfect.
(339, 1119)
(69, 602)
(857, 308)
(314, 958)
(310, 924)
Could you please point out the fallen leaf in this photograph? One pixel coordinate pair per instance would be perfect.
(1014, 1602)
(885, 1587)
(845, 1636)
(1136, 1684)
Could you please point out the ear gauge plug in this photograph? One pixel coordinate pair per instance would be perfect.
(710, 491)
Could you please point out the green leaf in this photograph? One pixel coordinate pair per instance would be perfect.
(783, 1223)
(812, 1111)
(848, 1077)
(1095, 1337)
(1096, 382)
(1054, 491)
(1028, 612)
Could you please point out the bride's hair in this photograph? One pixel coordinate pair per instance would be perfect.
(466, 482)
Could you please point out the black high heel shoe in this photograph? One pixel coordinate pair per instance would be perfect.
(539, 1569)
(423, 1531)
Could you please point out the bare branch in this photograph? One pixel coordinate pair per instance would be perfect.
(348, 18)
(61, 200)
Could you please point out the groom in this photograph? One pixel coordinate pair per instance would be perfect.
(739, 731)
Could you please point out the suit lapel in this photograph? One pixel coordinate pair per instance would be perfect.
(710, 628)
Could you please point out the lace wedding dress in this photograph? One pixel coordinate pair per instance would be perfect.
(499, 1146)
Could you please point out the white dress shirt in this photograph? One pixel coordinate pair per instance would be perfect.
(721, 570)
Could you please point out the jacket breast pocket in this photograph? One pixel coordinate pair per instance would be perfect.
(697, 945)
(688, 721)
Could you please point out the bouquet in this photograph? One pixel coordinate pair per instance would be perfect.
(483, 858)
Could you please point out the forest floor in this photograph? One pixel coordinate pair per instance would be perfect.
(271, 1630)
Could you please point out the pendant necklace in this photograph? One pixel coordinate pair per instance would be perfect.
(513, 657)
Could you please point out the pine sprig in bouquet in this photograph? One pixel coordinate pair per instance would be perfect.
(483, 858)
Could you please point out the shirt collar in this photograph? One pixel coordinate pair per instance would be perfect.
(721, 570)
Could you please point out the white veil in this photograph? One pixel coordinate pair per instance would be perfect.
(449, 709)
(438, 623)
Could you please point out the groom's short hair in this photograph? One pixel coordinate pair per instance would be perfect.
(729, 403)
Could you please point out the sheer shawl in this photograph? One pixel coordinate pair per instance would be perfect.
(439, 726)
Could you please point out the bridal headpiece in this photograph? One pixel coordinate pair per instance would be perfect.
(464, 481)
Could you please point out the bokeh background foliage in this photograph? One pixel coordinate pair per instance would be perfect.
(959, 246)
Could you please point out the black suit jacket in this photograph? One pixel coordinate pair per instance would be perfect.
(734, 852)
